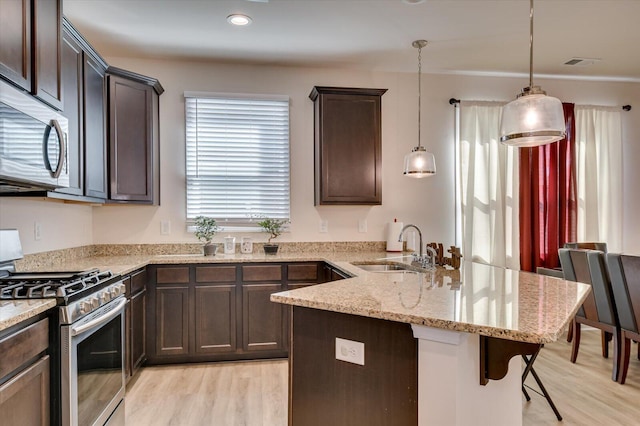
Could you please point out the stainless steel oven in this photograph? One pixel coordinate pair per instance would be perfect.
(92, 361)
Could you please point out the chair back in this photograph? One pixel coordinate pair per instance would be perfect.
(625, 282)
(587, 246)
(589, 267)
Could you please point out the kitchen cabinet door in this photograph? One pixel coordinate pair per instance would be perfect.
(24, 399)
(134, 140)
(15, 48)
(130, 140)
(138, 331)
(348, 145)
(263, 322)
(215, 318)
(172, 320)
(47, 23)
(73, 96)
(95, 146)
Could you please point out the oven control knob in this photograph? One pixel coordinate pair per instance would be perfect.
(104, 296)
(115, 291)
(85, 306)
(95, 302)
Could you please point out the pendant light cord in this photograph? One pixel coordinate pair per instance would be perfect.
(419, 89)
(530, 44)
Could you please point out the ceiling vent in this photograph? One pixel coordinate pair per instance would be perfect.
(582, 62)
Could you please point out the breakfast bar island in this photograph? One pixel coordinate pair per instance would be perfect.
(420, 347)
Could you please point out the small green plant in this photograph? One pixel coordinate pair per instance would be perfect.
(206, 228)
(272, 226)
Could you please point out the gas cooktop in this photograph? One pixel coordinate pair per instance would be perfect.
(64, 286)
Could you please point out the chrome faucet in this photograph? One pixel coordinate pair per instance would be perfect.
(419, 235)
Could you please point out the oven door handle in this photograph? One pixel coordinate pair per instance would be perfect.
(100, 320)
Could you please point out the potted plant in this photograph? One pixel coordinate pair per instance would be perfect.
(206, 228)
(274, 228)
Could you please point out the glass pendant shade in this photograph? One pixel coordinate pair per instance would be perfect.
(532, 120)
(419, 163)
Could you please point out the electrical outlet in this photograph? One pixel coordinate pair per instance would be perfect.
(350, 351)
(362, 225)
(165, 227)
(37, 231)
(324, 226)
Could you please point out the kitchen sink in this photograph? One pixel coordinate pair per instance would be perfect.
(382, 267)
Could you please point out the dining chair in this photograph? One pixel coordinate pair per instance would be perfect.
(598, 310)
(590, 245)
(625, 282)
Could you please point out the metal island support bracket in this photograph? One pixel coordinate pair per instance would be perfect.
(496, 353)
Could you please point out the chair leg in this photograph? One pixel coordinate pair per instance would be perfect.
(606, 338)
(570, 334)
(625, 354)
(576, 341)
(617, 352)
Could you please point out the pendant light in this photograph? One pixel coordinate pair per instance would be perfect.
(419, 163)
(533, 118)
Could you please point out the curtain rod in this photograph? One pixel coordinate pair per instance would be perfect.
(454, 101)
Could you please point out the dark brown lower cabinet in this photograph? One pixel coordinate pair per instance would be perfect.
(326, 391)
(24, 400)
(138, 330)
(215, 318)
(171, 320)
(263, 325)
(25, 374)
(214, 312)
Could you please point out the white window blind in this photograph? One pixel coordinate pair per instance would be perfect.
(237, 157)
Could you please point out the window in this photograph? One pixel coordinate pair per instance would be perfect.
(237, 157)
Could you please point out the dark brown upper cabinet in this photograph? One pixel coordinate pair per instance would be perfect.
(348, 145)
(47, 38)
(83, 76)
(31, 47)
(15, 48)
(134, 137)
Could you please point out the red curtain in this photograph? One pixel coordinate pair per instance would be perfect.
(548, 199)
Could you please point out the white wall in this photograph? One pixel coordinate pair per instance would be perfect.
(428, 202)
(62, 225)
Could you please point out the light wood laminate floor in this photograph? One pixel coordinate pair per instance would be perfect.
(255, 393)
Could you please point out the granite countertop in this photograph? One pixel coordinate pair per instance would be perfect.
(477, 298)
(13, 312)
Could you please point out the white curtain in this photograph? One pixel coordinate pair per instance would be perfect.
(599, 175)
(488, 188)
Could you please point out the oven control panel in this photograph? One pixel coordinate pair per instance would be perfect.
(81, 307)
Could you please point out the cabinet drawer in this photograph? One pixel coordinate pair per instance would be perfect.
(215, 274)
(24, 400)
(139, 281)
(302, 272)
(172, 275)
(262, 273)
(22, 346)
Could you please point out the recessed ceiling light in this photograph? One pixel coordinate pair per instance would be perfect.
(238, 19)
(413, 1)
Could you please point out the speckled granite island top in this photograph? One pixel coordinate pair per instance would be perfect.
(479, 299)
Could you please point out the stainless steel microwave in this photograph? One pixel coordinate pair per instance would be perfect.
(33, 143)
